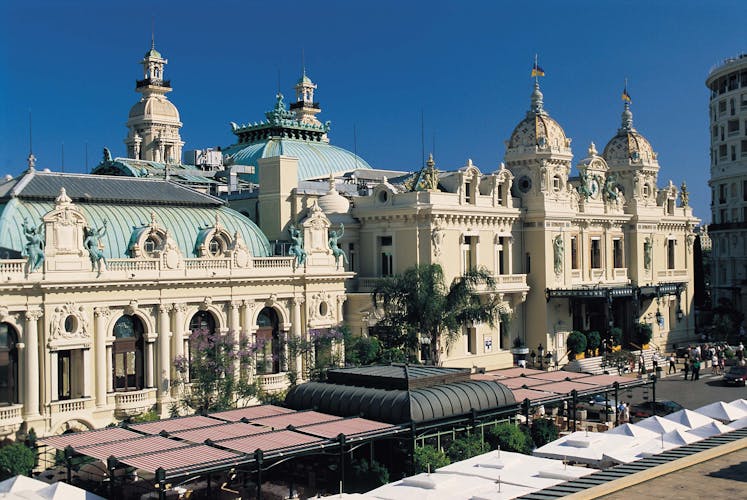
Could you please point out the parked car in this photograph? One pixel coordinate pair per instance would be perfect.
(662, 408)
(735, 376)
(596, 404)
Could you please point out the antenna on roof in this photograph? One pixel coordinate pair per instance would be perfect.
(62, 157)
(355, 145)
(422, 139)
(31, 159)
(152, 32)
(303, 62)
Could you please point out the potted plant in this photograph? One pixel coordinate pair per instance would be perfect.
(519, 347)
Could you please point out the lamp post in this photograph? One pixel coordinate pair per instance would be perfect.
(534, 357)
(541, 351)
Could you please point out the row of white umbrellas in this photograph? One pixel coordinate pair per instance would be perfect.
(630, 442)
(26, 488)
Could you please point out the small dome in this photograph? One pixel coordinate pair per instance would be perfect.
(155, 106)
(628, 146)
(153, 53)
(333, 202)
(538, 129)
(304, 79)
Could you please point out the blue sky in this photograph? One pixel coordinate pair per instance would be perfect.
(378, 64)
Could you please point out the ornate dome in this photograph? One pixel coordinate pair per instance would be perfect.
(333, 202)
(629, 147)
(538, 129)
(155, 106)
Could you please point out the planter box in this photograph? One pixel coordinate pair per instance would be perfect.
(520, 350)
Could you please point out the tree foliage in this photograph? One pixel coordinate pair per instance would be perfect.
(543, 431)
(643, 334)
(428, 458)
(466, 447)
(726, 320)
(509, 437)
(213, 383)
(419, 305)
(367, 476)
(16, 459)
(576, 343)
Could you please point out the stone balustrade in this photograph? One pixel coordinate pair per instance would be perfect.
(130, 403)
(11, 418)
(273, 382)
(68, 405)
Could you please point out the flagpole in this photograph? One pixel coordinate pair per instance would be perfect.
(536, 72)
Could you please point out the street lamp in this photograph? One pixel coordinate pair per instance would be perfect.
(533, 356)
(541, 351)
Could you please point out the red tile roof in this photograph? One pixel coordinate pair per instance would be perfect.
(518, 382)
(522, 394)
(183, 458)
(251, 412)
(566, 387)
(222, 431)
(270, 441)
(87, 438)
(175, 424)
(295, 419)
(349, 427)
(143, 444)
(558, 375)
(606, 379)
(516, 372)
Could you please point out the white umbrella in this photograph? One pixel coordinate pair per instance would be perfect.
(660, 425)
(650, 447)
(64, 491)
(738, 424)
(582, 447)
(21, 483)
(711, 429)
(689, 418)
(724, 412)
(634, 431)
(740, 403)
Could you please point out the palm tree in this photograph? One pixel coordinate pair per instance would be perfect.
(419, 307)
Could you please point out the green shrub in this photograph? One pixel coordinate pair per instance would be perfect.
(543, 431)
(616, 335)
(466, 447)
(593, 341)
(428, 456)
(643, 334)
(16, 459)
(367, 476)
(149, 416)
(509, 437)
(576, 344)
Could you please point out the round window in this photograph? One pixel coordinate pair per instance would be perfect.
(383, 196)
(214, 248)
(323, 309)
(71, 324)
(525, 184)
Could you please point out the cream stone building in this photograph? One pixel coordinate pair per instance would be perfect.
(103, 279)
(728, 130)
(607, 249)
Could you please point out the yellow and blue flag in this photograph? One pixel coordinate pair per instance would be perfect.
(537, 71)
(625, 95)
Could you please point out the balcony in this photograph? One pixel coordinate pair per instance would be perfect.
(69, 405)
(12, 268)
(508, 283)
(131, 403)
(11, 418)
(273, 382)
(673, 275)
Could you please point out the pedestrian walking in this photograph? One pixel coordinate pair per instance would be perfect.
(641, 364)
(655, 361)
(696, 369)
(686, 369)
(672, 365)
(714, 364)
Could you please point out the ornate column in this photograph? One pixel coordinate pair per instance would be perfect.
(100, 350)
(248, 332)
(296, 330)
(164, 334)
(87, 375)
(31, 399)
(235, 331)
(149, 362)
(109, 369)
(179, 310)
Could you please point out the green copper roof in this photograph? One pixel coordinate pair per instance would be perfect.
(153, 53)
(315, 159)
(182, 211)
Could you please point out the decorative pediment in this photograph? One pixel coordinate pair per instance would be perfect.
(69, 328)
(242, 257)
(64, 228)
(316, 231)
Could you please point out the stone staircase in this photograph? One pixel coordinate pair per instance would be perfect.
(593, 365)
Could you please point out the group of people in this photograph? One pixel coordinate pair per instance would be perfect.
(698, 356)
(623, 412)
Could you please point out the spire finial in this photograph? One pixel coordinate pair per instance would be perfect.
(627, 115)
(430, 161)
(592, 149)
(303, 63)
(31, 160)
(152, 33)
(536, 100)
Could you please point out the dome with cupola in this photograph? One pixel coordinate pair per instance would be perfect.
(538, 132)
(628, 147)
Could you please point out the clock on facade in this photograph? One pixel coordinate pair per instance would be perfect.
(525, 184)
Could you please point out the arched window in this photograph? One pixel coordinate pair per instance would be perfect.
(127, 353)
(269, 348)
(8, 365)
(202, 324)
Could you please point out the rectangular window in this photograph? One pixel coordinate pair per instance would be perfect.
(574, 252)
(469, 252)
(722, 151)
(715, 131)
(64, 375)
(386, 259)
(617, 253)
(722, 193)
(744, 190)
(528, 263)
(733, 153)
(743, 102)
(722, 216)
(721, 107)
(471, 340)
(351, 255)
(500, 194)
(501, 255)
(670, 253)
(733, 127)
(468, 192)
(596, 253)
